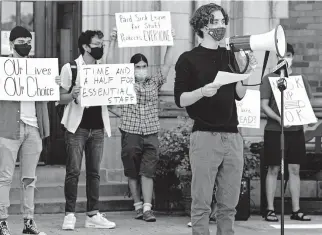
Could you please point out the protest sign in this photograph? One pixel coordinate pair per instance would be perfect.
(248, 110)
(143, 29)
(26, 79)
(297, 106)
(107, 84)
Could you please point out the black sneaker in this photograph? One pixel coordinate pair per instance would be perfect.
(4, 229)
(30, 227)
(148, 216)
(139, 214)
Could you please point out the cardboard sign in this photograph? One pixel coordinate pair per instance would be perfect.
(143, 29)
(5, 43)
(23, 79)
(297, 106)
(248, 110)
(107, 84)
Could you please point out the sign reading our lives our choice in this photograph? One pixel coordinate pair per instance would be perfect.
(142, 29)
(107, 84)
(28, 79)
(297, 106)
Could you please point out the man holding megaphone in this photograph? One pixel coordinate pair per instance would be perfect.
(216, 147)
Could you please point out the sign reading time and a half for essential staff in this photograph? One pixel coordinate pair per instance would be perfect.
(28, 79)
(141, 29)
(107, 84)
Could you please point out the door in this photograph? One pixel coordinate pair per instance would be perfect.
(67, 29)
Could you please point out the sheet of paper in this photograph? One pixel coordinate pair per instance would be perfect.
(224, 78)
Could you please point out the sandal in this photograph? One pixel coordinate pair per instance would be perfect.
(300, 216)
(270, 216)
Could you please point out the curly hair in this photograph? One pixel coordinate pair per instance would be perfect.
(203, 16)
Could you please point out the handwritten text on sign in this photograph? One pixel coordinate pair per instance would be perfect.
(108, 84)
(138, 29)
(248, 110)
(297, 107)
(23, 79)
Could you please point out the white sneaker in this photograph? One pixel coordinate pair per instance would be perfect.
(98, 221)
(69, 222)
(189, 224)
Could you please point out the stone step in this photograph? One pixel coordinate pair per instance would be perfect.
(57, 205)
(56, 190)
(54, 174)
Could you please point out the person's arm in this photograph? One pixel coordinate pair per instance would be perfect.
(268, 111)
(241, 87)
(110, 56)
(66, 82)
(168, 60)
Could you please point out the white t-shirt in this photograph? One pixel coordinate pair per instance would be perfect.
(28, 113)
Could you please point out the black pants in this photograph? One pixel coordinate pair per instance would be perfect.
(93, 143)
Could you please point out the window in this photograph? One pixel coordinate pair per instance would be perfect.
(16, 13)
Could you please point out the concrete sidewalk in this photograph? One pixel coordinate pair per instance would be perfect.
(165, 225)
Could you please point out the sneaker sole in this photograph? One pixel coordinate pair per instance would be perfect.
(68, 227)
(150, 220)
(99, 226)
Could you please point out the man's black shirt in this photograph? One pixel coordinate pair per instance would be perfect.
(197, 68)
(92, 118)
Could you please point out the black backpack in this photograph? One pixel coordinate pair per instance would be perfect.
(60, 108)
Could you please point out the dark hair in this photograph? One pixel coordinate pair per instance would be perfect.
(19, 32)
(139, 57)
(86, 37)
(289, 48)
(203, 16)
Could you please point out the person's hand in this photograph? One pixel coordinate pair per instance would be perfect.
(210, 89)
(75, 91)
(280, 122)
(242, 60)
(113, 35)
(58, 80)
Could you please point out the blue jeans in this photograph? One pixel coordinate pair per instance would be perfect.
(216, 158)
(93, 143)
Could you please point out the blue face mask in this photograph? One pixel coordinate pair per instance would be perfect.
(217, 33)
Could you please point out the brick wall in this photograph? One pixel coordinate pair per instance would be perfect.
(304, 32)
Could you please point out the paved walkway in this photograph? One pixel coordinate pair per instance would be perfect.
(165, 225)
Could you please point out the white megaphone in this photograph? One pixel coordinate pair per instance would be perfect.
(272, 41)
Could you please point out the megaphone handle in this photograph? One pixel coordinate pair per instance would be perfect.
(245, 69)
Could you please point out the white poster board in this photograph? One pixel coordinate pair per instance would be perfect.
(29, 79)
(248, 110)
(297, 106)
(107, 84)
(5, 43)
(144, 29)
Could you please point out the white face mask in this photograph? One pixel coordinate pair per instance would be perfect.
(141, 74)
(289, 61)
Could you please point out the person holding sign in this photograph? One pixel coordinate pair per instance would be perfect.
(216, 146)
(295, 150)
(84, 130)
(139, 127)
(23, 126)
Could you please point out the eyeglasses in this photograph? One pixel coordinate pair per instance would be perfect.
(97, 45)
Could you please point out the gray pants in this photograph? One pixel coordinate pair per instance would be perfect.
(215, 158)
(28, 148)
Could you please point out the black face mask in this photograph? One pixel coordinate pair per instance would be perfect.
(97, 52)
(217, 33)
(22, 49)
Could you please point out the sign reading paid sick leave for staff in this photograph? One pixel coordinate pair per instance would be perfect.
(142, 29)
(297, 106)
(107, 84)
(248, 110)
(28, 79)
